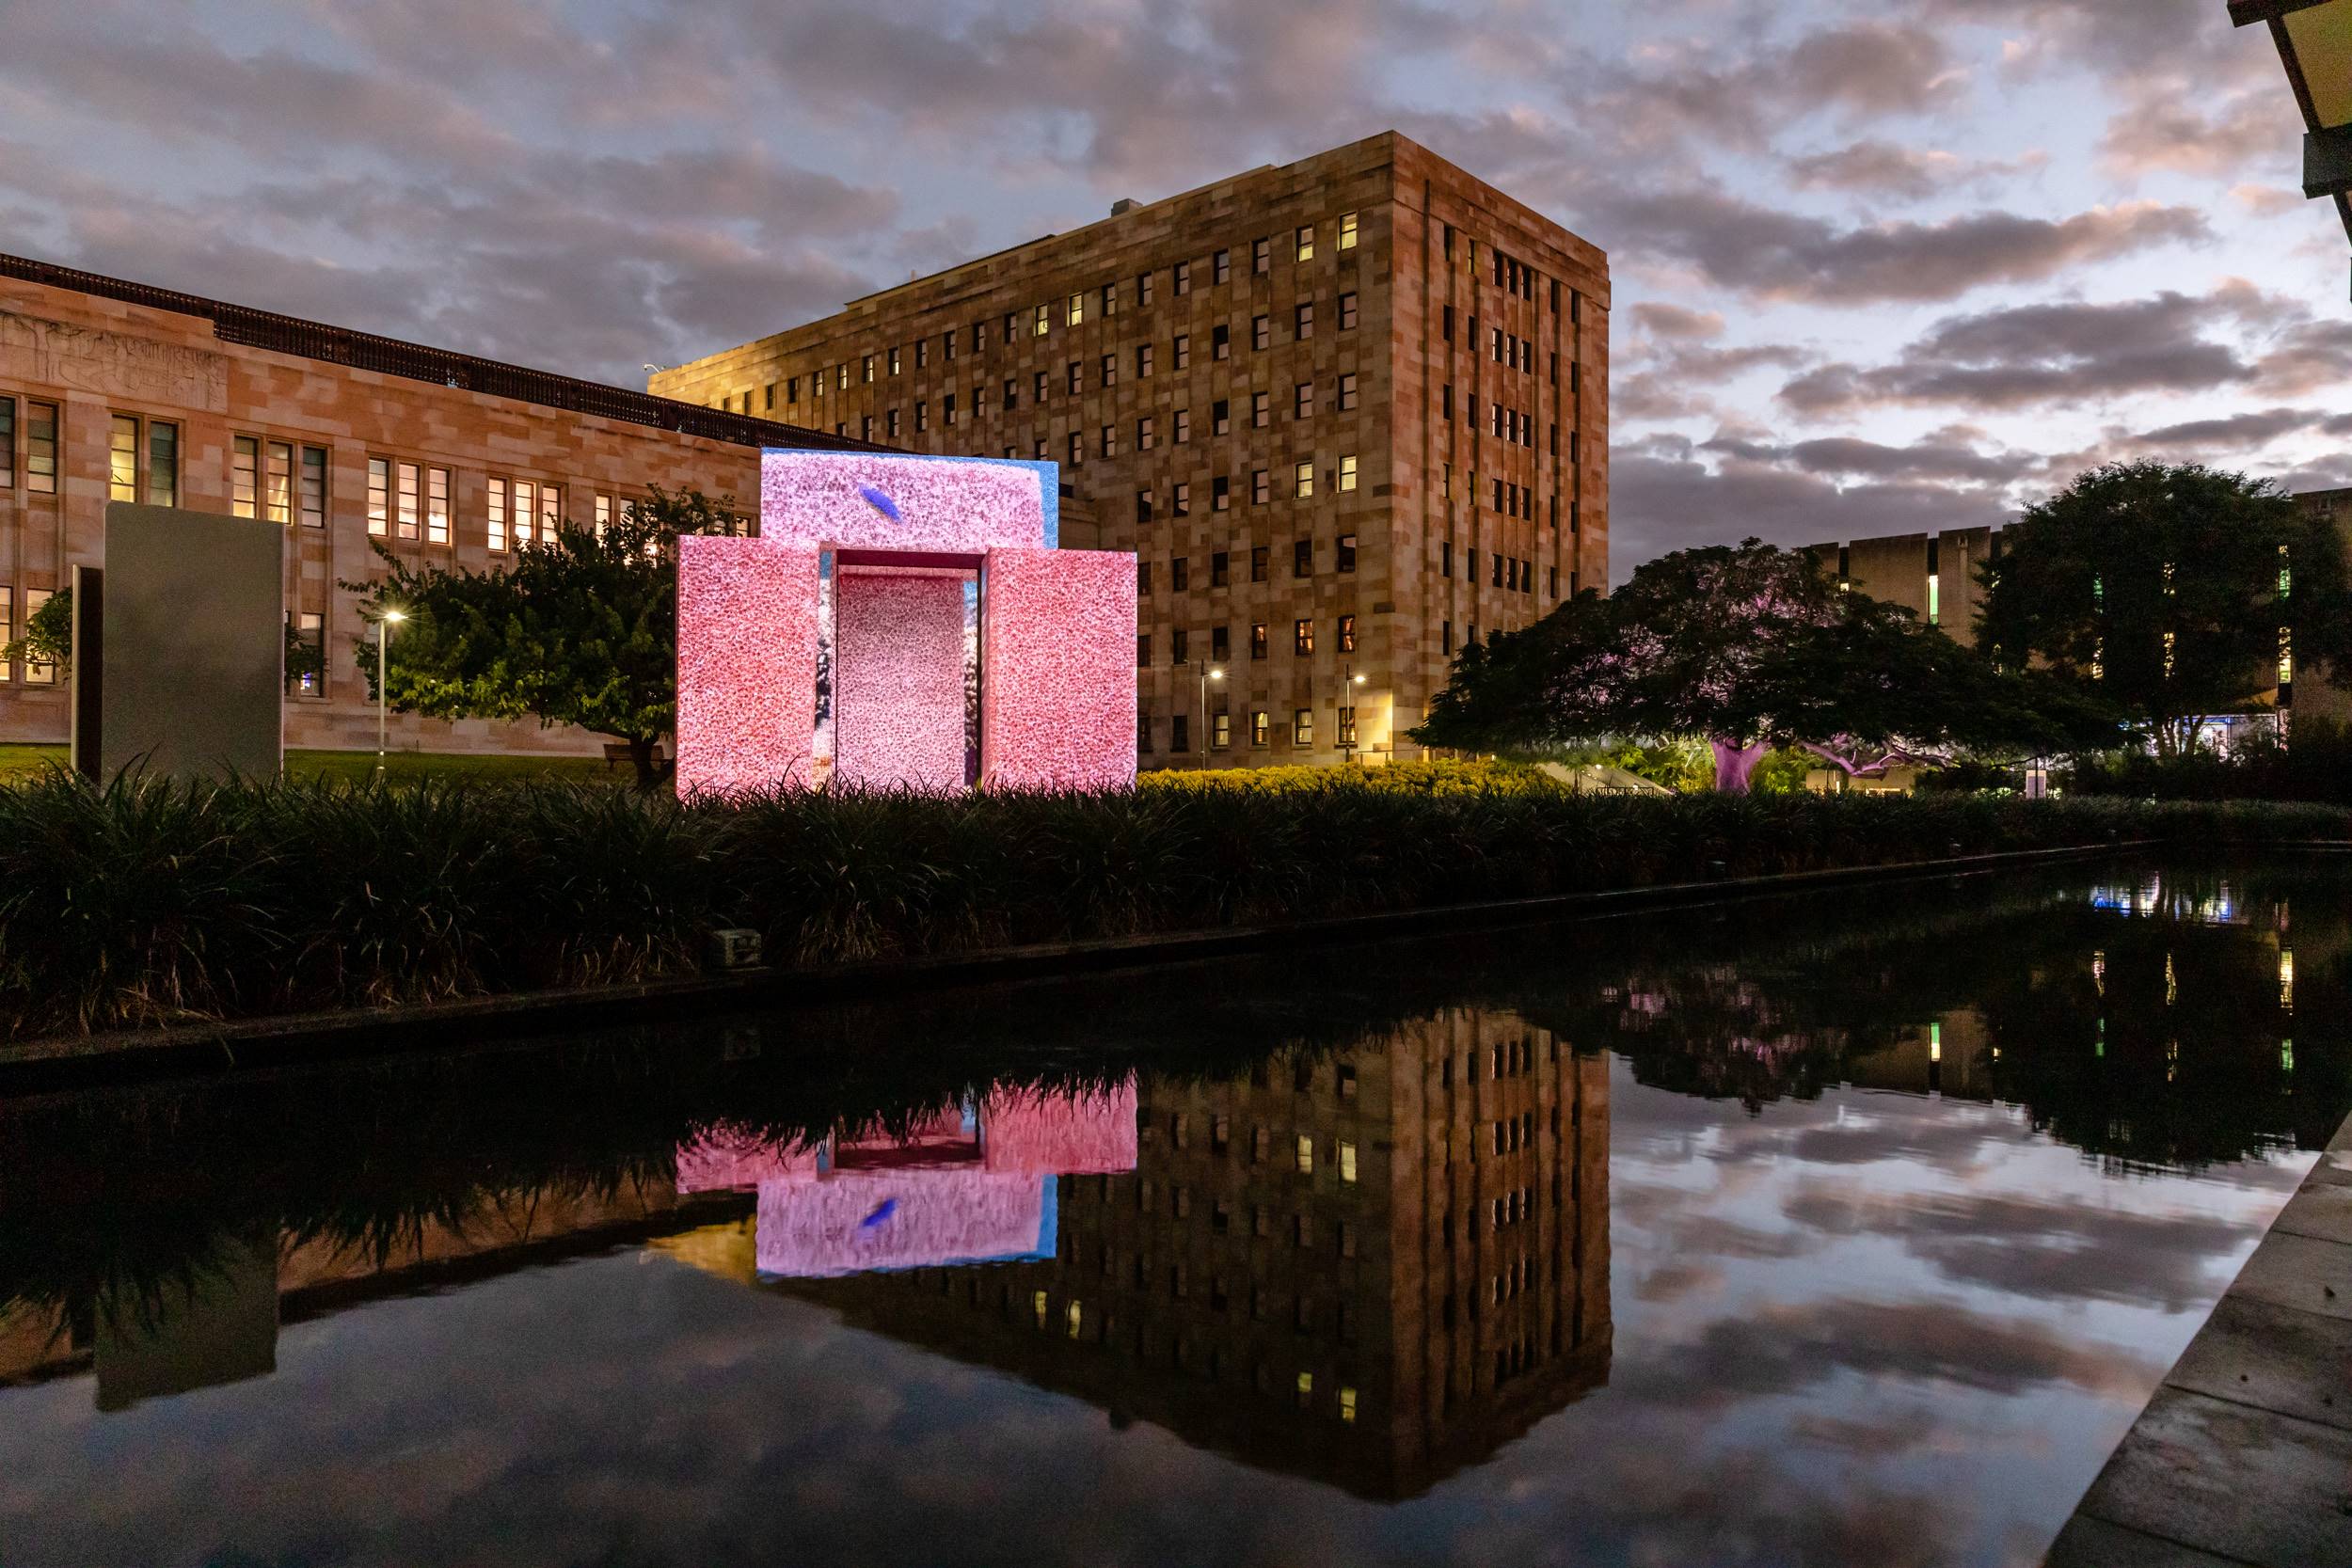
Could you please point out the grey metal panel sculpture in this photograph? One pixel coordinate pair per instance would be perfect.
(192, 643)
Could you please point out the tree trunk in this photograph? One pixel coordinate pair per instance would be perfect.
(1735, 765)
(652, 769)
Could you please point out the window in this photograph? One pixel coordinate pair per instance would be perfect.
(1445, 400)
(1257, 564)
(1303, 558)
(1220, 493)
(1075, 377)
(1180, 352)
(1180, 646)
(1347, 1160)
(7, 625)
(1037, 388)
(1347, 634)
(1347, 311)
(1143, 506)
(1303, 477)
(1110, 370)
(1261, 489)
(1260, 333)
(1347, 548)
(1144, 353)
(409, 487)
(1222, 266)
(1260, 725)
(1180, 734)
(551, 511)
(1221, 342)
(1261, 410)
(1348, 474)
(496, 512)
(245, 485)
(8, 482)
(1303, 242)
(1220, 645)
(1257, 639)
(1041, 321)
(310, 627)
(1445, 559)
(1076, 313)
(1143, 651)
(890, 424)
(1110, 299)
(1143, 727)
(1303, 401)
(36, 674)
(314, 488)
(1260, 257)
(1347, 392)
(1147, 433)
(1077, 448)
(1181, 278)
(123, 459)
(948, 408)
(1180, 499)
(1108, 437)
(1143, 579)
(865, 369)
(437, 506)
(1303, 726)
(1220, 568)
(1180, 574)
(1302, 636)
(1303, 319)
(1220, 732)
(792, 383)
(1445, 638)
(1012, 394)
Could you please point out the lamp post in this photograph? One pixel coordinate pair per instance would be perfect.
(383, 691)
(1207, 672)
(1349, 680)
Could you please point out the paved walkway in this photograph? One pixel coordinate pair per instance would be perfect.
(2244, 1456)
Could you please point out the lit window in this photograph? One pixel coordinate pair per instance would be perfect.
(277, 482)
(1260, 722)
(1303, 477)
(1347, 634)
(1304, 239)
(526, 507)
(1037, 1304)
(379, 486)
(1303, 636)
(8, 626)
(551, 511)
(1306, 1153)
(1303, 727)
(1347, 1161)
(163, 462)
(123, 459)
(1936, 600)
(437, 506)
(2287, 657)
(411, 497)
(7, 466)
(41, 448)
(36, 674)
(311, 627)
(1347, 230)
(1075, 1318)
(1077, 312)
(1043, 321)
(1348, 474)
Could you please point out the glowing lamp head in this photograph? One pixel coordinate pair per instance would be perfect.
(395, 615)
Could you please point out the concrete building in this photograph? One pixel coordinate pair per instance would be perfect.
(112, 390)
(1349, 412)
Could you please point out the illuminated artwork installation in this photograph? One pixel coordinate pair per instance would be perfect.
(908, 622)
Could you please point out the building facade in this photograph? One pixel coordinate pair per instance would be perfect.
(1350, 413)
(114, 392)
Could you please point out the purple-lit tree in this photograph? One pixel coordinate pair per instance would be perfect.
(1747, 649)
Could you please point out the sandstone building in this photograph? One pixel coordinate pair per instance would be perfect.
(1350, 413)
(112, 390)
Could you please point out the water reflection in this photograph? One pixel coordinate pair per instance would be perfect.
(1323, 1256)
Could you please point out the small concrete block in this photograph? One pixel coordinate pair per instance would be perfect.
(2088, 1542)
(2301, 1271)
(2342, 1142)
(2250, 1484)
(2334, 1168)
(2321, 1210)
(2253, 1353)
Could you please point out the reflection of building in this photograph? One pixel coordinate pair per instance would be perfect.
(1949, 1054)
(1349, 412)
(1372, 1269)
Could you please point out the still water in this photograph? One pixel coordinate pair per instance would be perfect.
(1850, 1228)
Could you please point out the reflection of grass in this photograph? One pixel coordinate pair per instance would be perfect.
(360, 767)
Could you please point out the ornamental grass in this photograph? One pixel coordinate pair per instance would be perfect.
(146, 901)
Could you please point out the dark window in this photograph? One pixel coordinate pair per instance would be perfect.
(1260, 332)
(1303, 401)
(1143, 358)
(1220, 568)
(1183, 279)
(1222, 266)
(1110, 370)
(1143, 506)
(1261, 410)
(1180, 499)
(1303, 558)
(1347, 552)
(1220, 643)
(1183, 430)
(1143, 652)
(1446, 329)
(1260, 256)
(1221, 342)
(1143, 285)
(1221, 418)
(1143, 730)
(1445, 637)
(1147, 435)
(1012, 394)
(1261, 490)
(1037, 387)
(1180, 352)
(1257, 564)
(1143, 579)
(1303, 319)
(1178, 646)
(1180, 574)
(1220, 493)
(1348, 312)
(1076, 377)
(1347, 392)
(1445, 559)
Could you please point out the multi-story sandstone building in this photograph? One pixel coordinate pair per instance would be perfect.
(1350, 413)
(114, 392)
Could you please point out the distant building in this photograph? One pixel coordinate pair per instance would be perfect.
(1351, 413)
(112, 390)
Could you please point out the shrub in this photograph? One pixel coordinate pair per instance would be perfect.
(148, 901)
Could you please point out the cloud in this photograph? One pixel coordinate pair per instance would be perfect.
(1881, 169)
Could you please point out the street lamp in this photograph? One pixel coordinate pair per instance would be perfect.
(1348, 681)
(1207, 672)
(384, 624)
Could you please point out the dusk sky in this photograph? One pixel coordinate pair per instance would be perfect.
(1878, 267)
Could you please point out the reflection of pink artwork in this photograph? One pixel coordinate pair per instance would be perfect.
(959, 1184)
(1061, 693)
(899, 692)
(747, 704)
(1057, 700)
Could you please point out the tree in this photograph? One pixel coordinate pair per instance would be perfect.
(581, 629)
(1746, 649)
(2171, 590)
(49, 639)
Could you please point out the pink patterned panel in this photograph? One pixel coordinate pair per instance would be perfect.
(858, 1220)
(746, 663)
(846, 500)
(898, 681)
(1057, 671)
(724, 1157)
(1088, 1135)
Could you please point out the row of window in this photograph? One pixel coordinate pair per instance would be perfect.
(1220, 564)
(1302, 480)
(38, 474)
(1073, 309)
(35, 674)
(1302, 641)
(1221, 736)
(1511, 572)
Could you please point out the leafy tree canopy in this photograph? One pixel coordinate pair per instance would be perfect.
(1746, 649)
(2164, 588)
(580, 629)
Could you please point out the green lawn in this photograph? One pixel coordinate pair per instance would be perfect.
(399, 765)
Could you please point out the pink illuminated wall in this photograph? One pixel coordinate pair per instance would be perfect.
(1059, 654)
(830, 498)
(898, 680)
(952, 1188)
(747, 663)
(1057, 680)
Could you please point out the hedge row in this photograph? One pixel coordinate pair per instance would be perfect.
(147, 901)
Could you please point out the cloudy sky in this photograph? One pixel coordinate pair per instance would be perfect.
(1879, 266)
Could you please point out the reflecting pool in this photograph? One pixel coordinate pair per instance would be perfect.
(1846, 1228)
